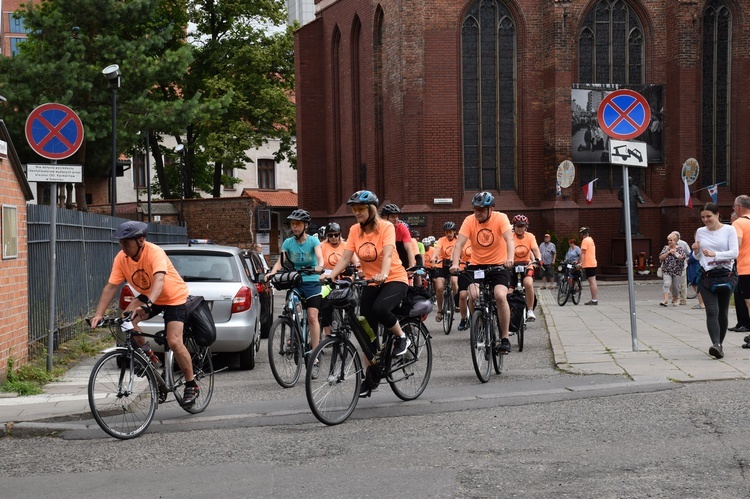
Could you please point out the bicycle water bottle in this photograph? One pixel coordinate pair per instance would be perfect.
(366, 326)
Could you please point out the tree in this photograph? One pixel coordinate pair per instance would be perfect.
(71, 41)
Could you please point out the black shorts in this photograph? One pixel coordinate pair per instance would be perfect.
(589, 272)
(443, 272)
(496, 278)
(172, 313)
(743, 286)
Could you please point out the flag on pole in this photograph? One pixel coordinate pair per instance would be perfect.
(688, 199)
(588, 191)
(558, 189)
(713, 190)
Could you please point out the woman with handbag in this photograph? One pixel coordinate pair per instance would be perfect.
(672, 259)
(716, 248)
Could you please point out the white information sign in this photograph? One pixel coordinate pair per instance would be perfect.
(3, 149)
(54, 173)
(628, 153)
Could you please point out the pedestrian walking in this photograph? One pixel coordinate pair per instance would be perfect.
(588, 263)
(672, 259)
(742, 292)
(683, 282)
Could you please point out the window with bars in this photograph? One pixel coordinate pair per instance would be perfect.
(266, 174)
(488, 75)
(717, 55)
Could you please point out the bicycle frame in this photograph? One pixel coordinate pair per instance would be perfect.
(300, 322)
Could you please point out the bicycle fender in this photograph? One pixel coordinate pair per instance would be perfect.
(115, 349)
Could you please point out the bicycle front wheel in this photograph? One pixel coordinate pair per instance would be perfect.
(575, 291)
(411, 372)
(203, 372)
(285, 352)
(122, 401)
(562, 291)
(481, 345)
(449, 308)
(333, 392)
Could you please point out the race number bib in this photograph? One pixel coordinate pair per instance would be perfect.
(479, 274)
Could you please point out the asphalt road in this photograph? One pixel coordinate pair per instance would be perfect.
(531, 432)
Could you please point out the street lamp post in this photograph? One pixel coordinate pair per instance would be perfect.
(112, 73)
(180, 149)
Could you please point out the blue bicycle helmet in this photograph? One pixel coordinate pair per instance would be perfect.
(363, 197)
(483, 200)
(131, 230)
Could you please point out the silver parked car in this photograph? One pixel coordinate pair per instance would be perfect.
(220, 274)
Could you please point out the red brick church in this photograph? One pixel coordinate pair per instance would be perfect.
(426, 102)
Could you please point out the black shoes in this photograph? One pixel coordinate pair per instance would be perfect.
(739, 329)
(463, 325)
(504, 346)
(191, 395)
(716, 351)
(400, 345)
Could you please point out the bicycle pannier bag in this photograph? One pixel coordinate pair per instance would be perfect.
(199, 323)
(286, 280)
(416, 303)
(342, 297)
(517, 304)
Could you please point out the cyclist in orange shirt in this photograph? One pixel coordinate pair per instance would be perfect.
(444, 251)
(148, 270)
(332, 248)
(526, 252)
(491, 237)
(465, 308)
(588, 263)
(373, 240)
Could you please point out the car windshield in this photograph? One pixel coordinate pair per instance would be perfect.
(205, 267)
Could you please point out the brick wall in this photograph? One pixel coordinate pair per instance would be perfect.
(14, 328)
(422, 113)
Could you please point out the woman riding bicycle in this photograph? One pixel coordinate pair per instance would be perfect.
(374, 242)
(304, 251)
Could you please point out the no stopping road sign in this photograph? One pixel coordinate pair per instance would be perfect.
(54, 131)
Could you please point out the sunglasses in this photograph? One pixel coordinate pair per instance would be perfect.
(334, 235)
(359, 209)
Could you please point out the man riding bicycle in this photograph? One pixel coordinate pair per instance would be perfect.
(491, 237)
(148, 270)
(404, 246)
(526, 252)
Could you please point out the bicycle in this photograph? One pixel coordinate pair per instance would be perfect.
(125, 387)
(333, 396)
(484, 337)
(570, 284)
(449, 303)
(518, 307)
(289, 341)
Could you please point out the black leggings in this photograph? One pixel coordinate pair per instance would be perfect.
(379, 302)
(717, 312)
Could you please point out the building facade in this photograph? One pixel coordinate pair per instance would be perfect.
(427, 102)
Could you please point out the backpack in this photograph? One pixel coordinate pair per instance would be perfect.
(199, 323)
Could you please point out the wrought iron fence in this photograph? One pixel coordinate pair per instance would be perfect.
(84, 254)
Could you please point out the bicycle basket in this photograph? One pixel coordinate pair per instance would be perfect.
(342, 298)
(286, 280)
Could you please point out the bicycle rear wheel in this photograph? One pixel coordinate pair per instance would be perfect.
(481, 345)
(285, 352)
(575, 291)
(449, 309)
(411, 372)
(520, 334)
(203, 372)
(562, 291)
(333, 395)
(123, 403)
(493, 334)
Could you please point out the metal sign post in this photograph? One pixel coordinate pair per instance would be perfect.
(629, 256)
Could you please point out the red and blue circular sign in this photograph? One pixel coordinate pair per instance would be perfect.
(54, 131)
(624, 114)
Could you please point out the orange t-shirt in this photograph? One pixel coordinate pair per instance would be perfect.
(742, 227)
(140, 274)
(446, 249)
(369, 249)
(465, 255)
(428, 253)
(488, 244)
(524, 247)
(589, 257)
(331, 255)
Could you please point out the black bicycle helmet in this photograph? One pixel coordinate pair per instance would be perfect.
(520, 220)
(363, 197)
(131, 230)
(300, 215)
(584, 230)
(414, 234)
(483, 200)
(334, 228)
(389, 209)
(449, 226)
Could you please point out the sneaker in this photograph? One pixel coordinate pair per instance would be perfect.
(716, 351)
(504, 346)
(592, 302)
(742, 329)
(400, 345)
(365, 390)
(463, 325)
(191, 395)
(530, 317)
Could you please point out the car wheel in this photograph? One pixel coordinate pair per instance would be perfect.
(247, 357)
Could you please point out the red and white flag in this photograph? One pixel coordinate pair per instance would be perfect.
(588, 191)
(688, 198)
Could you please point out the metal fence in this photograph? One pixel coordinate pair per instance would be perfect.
(84, 254)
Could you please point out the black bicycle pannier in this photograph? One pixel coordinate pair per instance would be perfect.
(416, 303)
(286, 280)
(517, 304)
(199, 323)
(342, 297)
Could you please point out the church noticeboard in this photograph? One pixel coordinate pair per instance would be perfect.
(263, 220)
(414, 220)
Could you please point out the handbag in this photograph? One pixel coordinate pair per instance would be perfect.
(659, 272)
(719, 278)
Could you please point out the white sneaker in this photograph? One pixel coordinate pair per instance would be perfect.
(530, 317)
